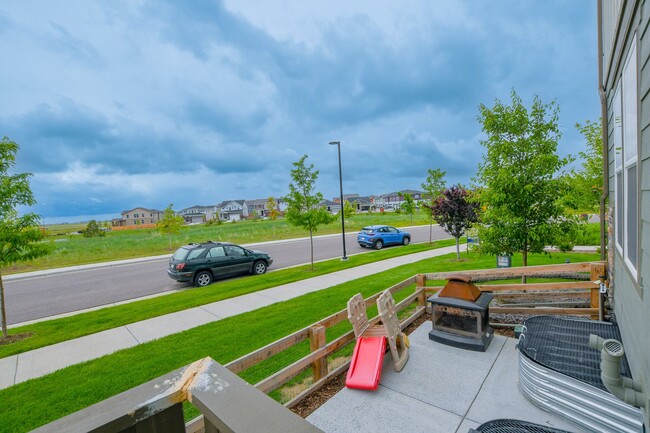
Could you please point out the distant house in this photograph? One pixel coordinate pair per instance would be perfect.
(198, 213)
(362, 204)
(394, 200)
(138, 216)
(259, 207)
(232, 210)
(331, 206)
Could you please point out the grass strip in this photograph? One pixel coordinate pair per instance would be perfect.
(58, 330)
(36, 402)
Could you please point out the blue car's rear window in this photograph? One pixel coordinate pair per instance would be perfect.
(367, 230)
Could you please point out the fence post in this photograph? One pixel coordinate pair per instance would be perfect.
(420, 284)
(597, 269)
(317, 340)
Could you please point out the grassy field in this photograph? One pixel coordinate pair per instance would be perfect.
(74, 249)
(36, 402)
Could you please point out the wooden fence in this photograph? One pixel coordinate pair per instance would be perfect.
(320, 350)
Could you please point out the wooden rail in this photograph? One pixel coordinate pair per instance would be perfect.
(319, 349)
(535, 291)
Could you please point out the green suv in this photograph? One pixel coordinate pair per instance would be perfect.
(202, 263)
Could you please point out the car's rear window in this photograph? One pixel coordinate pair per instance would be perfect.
(195, 253)
(367, 230)
(180, 254)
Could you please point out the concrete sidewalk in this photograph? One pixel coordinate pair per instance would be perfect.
(39, 362)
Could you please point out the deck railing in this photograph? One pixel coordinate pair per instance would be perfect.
(122, 412)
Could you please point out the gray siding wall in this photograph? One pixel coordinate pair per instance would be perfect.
(632, 298)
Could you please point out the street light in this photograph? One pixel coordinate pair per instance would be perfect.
(338, 145)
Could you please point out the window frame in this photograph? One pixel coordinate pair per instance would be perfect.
(627, 218)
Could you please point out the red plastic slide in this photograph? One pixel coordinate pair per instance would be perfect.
(367, 360)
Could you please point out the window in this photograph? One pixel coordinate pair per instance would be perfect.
(195, 253)
(216, 252)
(626, 162)
(232, 250)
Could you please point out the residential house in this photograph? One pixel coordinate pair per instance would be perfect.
(232, 210)
(259, 207)
(362, 204)
(331, 206)
(394, 200)
(198, 213)
(140, 215)
(625, 79)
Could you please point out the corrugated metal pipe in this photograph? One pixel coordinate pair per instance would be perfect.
(624, 388)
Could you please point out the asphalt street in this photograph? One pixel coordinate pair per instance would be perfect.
(63, 292)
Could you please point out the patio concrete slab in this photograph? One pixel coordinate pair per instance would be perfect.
(440, 389)
(8, 371)
(441, 375)
(490, 405)
(42, 361)
(158, 327)
(383, 411)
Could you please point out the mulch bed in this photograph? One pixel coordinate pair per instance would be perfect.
(14, 338)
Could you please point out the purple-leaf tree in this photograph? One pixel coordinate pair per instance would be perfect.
(455, 212)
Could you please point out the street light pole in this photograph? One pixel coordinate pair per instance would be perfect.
(338, 145)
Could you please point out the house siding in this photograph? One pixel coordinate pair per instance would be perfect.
(631, 298)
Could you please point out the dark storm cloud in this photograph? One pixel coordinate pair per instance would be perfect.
(157, 94)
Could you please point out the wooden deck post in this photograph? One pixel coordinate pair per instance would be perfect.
(420, 284)
(317, 340)
(597, 270)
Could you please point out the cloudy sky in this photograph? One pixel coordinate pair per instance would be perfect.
(124, 103)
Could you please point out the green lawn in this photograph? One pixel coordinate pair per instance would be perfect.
(56, 331)
(39, 401)
(69, 250)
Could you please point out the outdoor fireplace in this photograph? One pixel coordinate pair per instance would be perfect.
(460, 315)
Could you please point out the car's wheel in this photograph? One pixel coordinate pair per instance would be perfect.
(259, 267)
(202, 279)
(406, 240)
(379, 244)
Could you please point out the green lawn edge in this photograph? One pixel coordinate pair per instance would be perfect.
(38, 401)
(58, 330)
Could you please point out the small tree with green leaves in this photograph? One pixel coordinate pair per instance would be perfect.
(303, 202)
(433, 186)
(586, 183)
(170, 223)
(521, 178)
(348, 209)
(408, 206)
(93, 229)
(21, 237)
(455, 212)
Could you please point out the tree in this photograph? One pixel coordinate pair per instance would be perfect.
(433, 186)
(586, 184)
(93, 229)
(455, 212)
(170, 223)
(519, 175)
(272, 208)
(303, 202)
(409, 205)
(348, 209)
(21, 238)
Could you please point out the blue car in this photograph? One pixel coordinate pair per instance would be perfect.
(378, 236)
